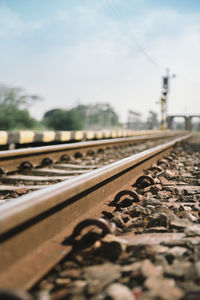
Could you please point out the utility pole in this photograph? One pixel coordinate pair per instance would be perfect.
(133, 119)
(164, 98)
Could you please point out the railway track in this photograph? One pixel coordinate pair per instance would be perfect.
(26, 170)
(43, 220)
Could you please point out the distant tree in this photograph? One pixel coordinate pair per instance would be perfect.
(100, 115)
(62, 120)
(82, 117)
(16, 96)
(12, 118)
(50, 113)
(13, 108)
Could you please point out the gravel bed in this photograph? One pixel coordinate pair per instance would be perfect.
(153, 251)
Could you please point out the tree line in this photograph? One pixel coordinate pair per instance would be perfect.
(14, 113)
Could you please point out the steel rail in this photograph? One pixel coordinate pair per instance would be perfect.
(33, 227)
(11, 160)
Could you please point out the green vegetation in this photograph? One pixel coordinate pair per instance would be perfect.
(13, 118)
(95, 116)
(14, 114)
(60, 119)
(14, 103)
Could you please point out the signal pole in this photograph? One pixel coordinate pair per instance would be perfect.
(164, 98)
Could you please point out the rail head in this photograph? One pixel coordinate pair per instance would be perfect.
(27, 207)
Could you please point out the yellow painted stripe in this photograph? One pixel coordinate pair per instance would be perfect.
(119, 133)
(107, 134)
(113, 134)
(65, 136)
(48, 136)
(26, 137)
(125, 133)
(78, 135)
(99, 135)
(89, 135)
(3, 137)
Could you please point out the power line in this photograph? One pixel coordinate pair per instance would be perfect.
(116, 16)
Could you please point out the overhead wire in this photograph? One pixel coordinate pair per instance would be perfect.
(116, 16)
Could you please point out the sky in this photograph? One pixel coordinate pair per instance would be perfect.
(111, 51)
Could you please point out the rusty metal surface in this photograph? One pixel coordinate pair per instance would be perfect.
(11, 160)
(30, 206)
(153, 251)
(64, 166)
(44, 218)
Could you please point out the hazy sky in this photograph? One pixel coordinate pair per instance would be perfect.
(87, 51)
